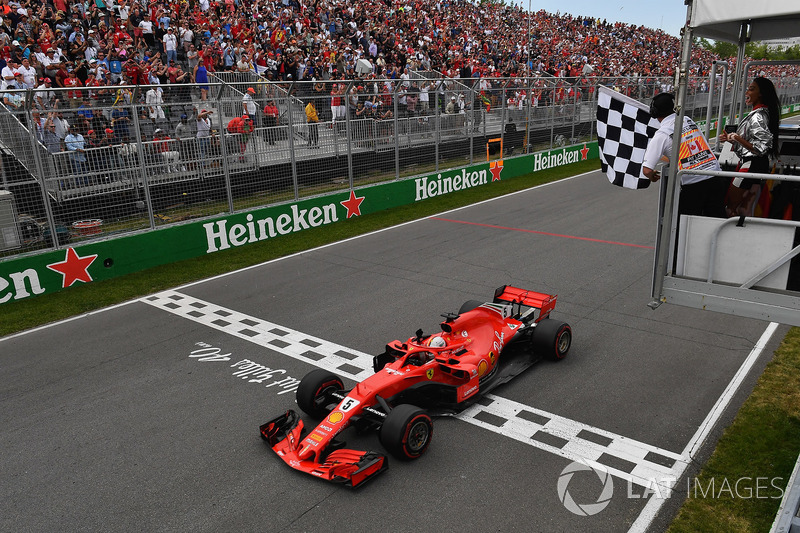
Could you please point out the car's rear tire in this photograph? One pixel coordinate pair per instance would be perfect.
(552, 339)
(314, 392)
(469, 305)
(406, 432)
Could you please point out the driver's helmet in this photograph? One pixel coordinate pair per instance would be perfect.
(437, 342)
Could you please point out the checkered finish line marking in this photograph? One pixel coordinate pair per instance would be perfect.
(634, 461)
(297, 345)
(637, 462)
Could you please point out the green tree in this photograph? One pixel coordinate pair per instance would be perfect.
(724, 49)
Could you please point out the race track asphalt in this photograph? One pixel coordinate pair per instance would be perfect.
(140, 418)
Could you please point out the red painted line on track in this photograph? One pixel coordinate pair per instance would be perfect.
(544, 233)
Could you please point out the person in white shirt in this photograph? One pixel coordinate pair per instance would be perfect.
(28, 73)
(700, 194)
(249, 104)
(171, 44)
(187, 38)
(147, 32)
(153, 99)
(7, 74)
(44, 98)
(424, 105)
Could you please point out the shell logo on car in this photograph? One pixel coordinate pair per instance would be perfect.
(335, 417)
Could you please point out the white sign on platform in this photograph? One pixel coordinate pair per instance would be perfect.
(741, 252)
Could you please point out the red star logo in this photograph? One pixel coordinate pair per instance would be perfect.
(496, 167)
(584, 153)
(74, 268)
(353, 205)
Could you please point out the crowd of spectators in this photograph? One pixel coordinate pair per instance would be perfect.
(92, 48)
(106, 41)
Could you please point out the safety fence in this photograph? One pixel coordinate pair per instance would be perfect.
(105, 161)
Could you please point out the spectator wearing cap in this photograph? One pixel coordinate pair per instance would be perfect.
(204, 132)
(19, 81)
(93, 163)
(170, 41)
(249, 107)
(74, 95)
(183, 130)
(108, 139)
(50, 139)
(167, 158)
(121, 121)
(44, 98)
(7, 73)
(49, 62)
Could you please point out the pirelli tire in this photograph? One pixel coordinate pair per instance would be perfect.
(406, 433)
(552, 339)
(314, 393)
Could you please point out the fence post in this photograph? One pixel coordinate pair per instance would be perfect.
(290, 138)
(37, 160)
(140, 155)
(438, 123)
(503, 118)
(223, 146)
(349, 133)
(471, 124)
(528, 102)
(552, 118)
(396, 133)
(575, 109)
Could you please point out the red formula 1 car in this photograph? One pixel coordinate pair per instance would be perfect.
(481, 347)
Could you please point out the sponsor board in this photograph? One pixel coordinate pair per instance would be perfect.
(52, 271)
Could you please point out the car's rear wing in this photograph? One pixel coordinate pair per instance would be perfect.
(540, 301)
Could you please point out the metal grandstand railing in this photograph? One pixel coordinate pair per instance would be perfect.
(137, 177)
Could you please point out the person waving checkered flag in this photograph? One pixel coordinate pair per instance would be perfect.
(624, 127)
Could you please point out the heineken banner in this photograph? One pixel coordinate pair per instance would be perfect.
(52, 271)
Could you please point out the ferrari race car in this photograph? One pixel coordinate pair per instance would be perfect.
(481, 347)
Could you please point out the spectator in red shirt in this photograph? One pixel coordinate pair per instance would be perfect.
(271, 116)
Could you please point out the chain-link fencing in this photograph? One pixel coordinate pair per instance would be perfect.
(94, 162)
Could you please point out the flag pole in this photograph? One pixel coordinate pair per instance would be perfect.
(665, 230)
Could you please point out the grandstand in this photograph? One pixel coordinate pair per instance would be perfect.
(132, 114)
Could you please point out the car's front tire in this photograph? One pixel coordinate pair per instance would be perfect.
(406, 432)
(314, 392)
(552, 339)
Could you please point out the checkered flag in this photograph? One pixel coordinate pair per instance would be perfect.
(624, 127)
